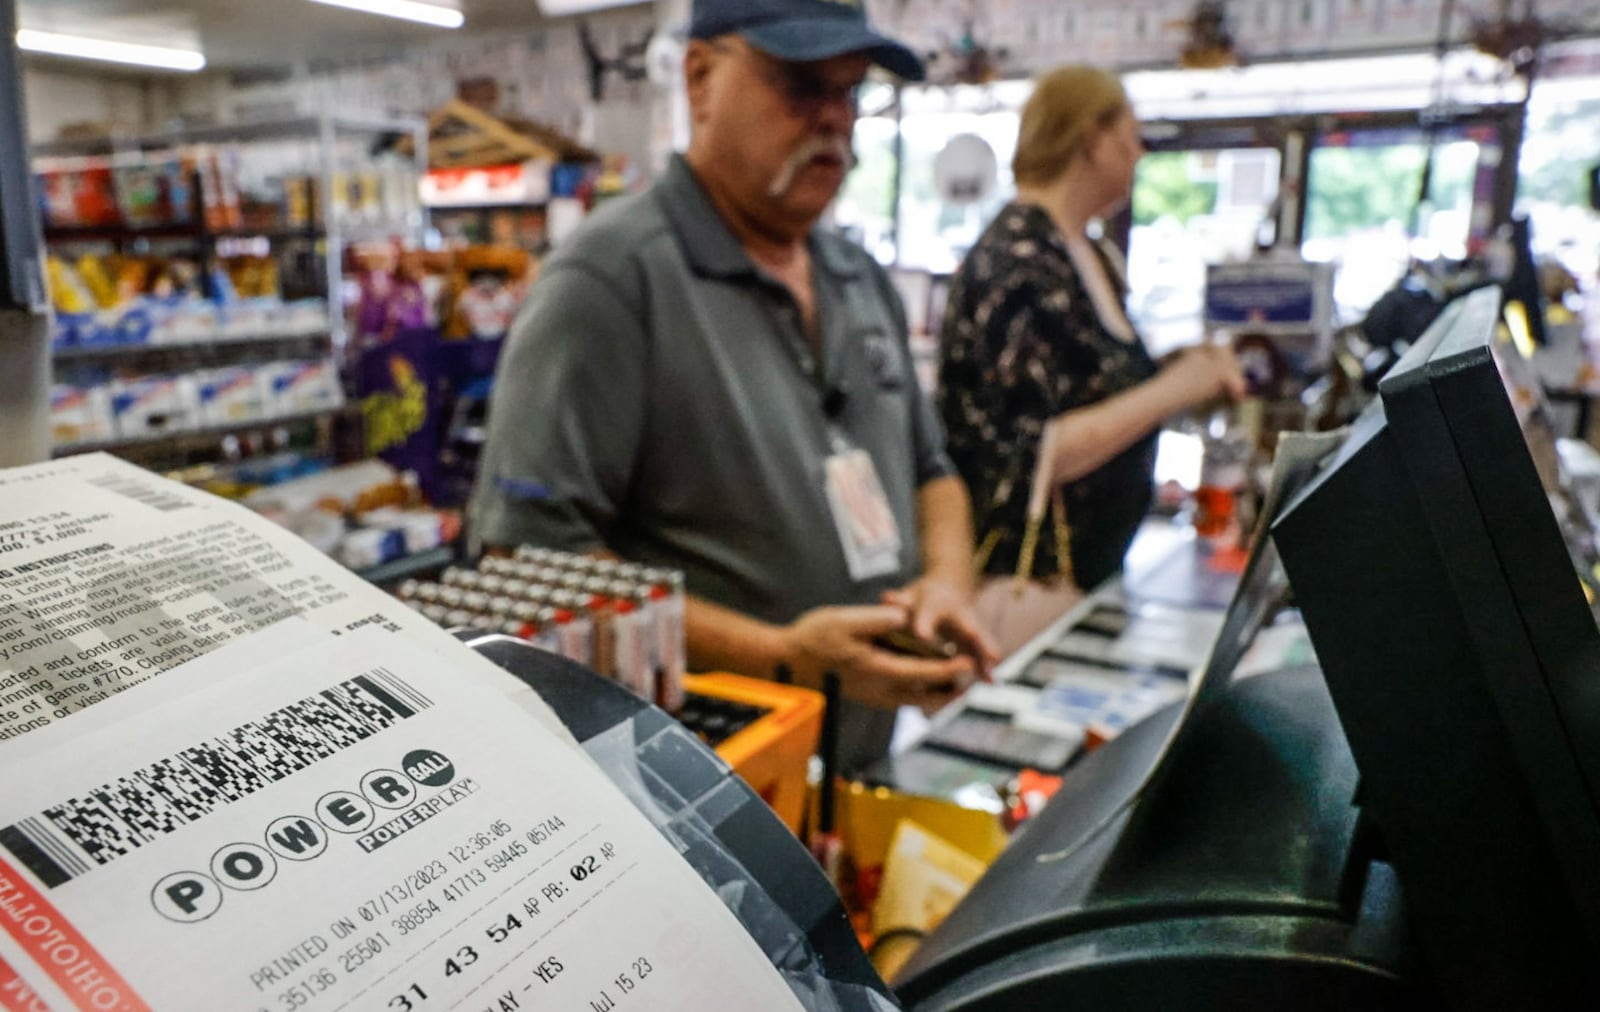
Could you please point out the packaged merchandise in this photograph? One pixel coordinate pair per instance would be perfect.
(303, 316)
(99, 328)
(68, 292)
(621, 619)
(180, 182)
(294, 387)
(132, 324)
(421, 529)
(338, 489)
(64, 328)
(142, 192)
(187, 320)
(80, 414)
(97, 278)
(230, 394)
(247, 318)
(78, 193)
(146, 405)
(253, 277)
(300, 201)
(319, 528)
(368, 547)
(277, 468)
(339, 198)
(219, 187)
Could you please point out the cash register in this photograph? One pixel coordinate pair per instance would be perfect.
(1208, 857)
(1414, 822)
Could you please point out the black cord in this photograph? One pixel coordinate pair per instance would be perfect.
(895, 934)
(1441, 47)
(829, 747)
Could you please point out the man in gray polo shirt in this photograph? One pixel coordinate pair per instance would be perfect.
(700, 380)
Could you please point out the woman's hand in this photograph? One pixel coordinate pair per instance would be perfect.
(1202, 373)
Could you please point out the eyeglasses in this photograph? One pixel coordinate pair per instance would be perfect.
(804, 87)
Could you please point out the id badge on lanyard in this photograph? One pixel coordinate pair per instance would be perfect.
(861, 514)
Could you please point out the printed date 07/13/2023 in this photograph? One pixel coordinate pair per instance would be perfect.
(497, 838)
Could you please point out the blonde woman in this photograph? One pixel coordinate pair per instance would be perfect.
(1036, 337)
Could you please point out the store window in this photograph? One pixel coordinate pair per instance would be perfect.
(935, 235)
(930, 234)
(1365, 211)
(865, 207)
(1561, 144)
(1202, 201)
(1191, 208)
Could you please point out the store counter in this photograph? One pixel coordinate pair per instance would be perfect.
(1196, 853)
(1130, 648)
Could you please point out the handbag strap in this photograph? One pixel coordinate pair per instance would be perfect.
(1043, 496)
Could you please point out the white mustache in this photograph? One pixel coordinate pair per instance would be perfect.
(839, 147)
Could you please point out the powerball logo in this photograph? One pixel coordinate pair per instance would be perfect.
(191, 896)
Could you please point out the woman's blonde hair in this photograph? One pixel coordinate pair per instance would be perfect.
(1068, 105)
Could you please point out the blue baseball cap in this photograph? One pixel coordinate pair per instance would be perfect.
(804, 30)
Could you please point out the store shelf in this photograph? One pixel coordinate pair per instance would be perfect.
(420, 564)
(126, 352)
(535, 205)
(193, 232)
(275, 233)
(307, 252)
(203, 433)
(122, 233)
(240, 133)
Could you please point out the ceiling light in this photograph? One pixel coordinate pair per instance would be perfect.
(409, 10)
(116, 52)
(563, 8)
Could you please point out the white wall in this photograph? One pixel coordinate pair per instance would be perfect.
(1038, 34)
(58, 98)
(541, 73)
(543, 76)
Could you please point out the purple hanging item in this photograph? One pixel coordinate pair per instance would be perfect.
(404, 402)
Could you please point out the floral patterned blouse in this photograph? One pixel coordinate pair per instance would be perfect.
(1021, 342)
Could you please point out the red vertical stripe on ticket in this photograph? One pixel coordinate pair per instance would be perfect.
(60, 950)
(15, 993)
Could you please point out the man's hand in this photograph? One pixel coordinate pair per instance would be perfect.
(841, 640)
(939, 609)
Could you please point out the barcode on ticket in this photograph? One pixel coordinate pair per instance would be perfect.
(72, 837)
(150, 495)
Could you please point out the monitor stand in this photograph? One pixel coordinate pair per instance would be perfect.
(1239, 878)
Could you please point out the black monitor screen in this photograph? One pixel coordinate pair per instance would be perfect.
(1525, 392)
(1451, 696)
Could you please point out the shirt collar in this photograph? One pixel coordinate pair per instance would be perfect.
(708, 243)
(1029, 220)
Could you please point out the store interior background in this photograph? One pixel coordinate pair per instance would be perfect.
(1341, 59)
(1324, 56)
(1345, 100)
(1341, 102)
(1332, 56)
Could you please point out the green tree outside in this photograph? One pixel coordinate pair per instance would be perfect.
(1360, 188)
(1560, 145)
(1165, 187)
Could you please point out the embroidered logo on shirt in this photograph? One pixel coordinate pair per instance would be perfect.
(882, 360)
